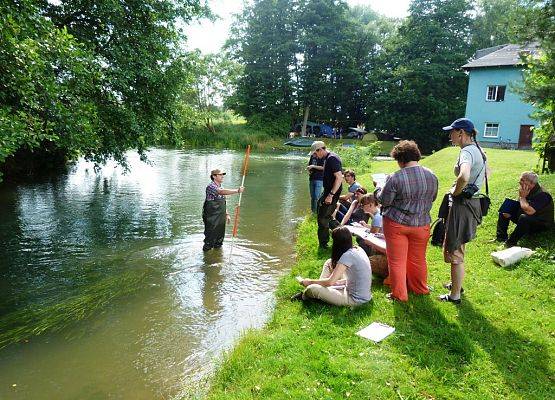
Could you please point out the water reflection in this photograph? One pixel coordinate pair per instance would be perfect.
(60, 238)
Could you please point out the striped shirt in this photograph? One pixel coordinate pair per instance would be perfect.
(407, 196)
(212, 192)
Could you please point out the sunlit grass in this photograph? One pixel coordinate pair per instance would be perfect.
(498, 344)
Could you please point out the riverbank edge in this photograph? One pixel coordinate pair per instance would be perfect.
(310, 351)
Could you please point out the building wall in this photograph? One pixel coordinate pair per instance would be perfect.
(509, 114)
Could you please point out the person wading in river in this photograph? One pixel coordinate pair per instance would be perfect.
(214, 213)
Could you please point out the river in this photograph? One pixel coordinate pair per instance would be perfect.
(107, 266)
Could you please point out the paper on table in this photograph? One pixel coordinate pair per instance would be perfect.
(379, 179)
(376, 331)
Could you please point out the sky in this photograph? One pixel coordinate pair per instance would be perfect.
(209, 36)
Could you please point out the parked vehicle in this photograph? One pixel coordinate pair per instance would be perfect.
(355, 133)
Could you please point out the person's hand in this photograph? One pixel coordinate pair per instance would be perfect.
(506, 215)
(241, 189)
(328, 199)
(524, 190)
(364, 224)
(308, 168)
(301, 280)
(227, 218)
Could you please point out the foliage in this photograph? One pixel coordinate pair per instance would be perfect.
(90, 78)
(497, 22)
(491, 346)
(539, 78)
(424, 87)
(295, 54)
(358, 158)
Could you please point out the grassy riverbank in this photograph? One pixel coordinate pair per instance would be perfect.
(499, 343)
(237, 135)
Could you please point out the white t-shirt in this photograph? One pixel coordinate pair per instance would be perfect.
(359, 274)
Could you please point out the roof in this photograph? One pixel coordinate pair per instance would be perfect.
(498, 56)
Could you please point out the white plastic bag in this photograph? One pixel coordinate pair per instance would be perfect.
(511, 255)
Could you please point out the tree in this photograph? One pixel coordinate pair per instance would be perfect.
(539, 78)
(90, 78)
(424, 86)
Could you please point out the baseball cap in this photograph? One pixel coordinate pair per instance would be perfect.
(461, 123)
(315, 146)
(216, 172)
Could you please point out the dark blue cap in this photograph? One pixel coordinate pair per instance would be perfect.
(461, 123)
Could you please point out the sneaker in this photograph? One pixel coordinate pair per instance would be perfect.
(297, 296)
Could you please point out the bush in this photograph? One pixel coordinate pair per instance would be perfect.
(358, 158)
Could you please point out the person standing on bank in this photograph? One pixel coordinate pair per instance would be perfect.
(214, 213)
(407, 199)
(315, 170)
(332, 189)
(465, 213)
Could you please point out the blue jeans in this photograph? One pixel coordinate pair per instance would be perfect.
(315, 188)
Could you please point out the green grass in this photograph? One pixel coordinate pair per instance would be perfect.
(499, 343)
(237, 135)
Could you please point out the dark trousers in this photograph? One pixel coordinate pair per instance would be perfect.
(324, 217)
(525, 224)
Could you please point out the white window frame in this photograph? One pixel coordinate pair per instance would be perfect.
(491, 125)
(495, 93)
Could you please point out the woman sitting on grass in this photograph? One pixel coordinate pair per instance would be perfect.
(346, 262)
(361, 210)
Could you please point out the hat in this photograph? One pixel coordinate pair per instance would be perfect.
(461, 123)
(216, 172)
(315, 146)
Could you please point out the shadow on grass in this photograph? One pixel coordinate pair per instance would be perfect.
(523, 363)
(431, 340)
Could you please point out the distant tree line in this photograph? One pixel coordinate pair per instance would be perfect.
(352, 65)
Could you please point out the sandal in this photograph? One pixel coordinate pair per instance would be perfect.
(448, 286)
(447, 297)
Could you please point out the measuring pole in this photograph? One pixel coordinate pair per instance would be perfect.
(238, 206)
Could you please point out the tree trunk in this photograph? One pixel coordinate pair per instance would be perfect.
(305, 120)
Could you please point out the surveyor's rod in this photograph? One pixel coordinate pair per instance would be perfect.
(238, 206)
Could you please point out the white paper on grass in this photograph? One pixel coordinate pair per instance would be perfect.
(379, 179)
(511, 255)
(376, 331)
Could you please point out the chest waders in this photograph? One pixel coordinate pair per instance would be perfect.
(213, 216)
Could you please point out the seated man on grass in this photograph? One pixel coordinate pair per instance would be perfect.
(533, 214)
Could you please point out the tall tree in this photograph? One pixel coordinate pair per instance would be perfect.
(424, 86)
(539, 79)
(90, 78)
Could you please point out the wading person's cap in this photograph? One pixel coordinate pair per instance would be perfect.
(216, 172)
(461, 123)
(315, 146)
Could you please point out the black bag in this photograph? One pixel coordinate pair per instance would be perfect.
(485, 201)
(438, 232)
(443, 211)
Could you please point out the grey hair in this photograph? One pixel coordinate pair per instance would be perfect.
(530, 176)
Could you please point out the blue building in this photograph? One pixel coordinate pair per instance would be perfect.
(500, 115)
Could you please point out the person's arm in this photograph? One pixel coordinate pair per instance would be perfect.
(227, 192)
(316, 167)
(333, 279)
(346, 196)
(336, 185)
(386, 194)
(462, 179)
(347, 216)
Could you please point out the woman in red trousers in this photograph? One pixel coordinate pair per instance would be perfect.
(406, 199)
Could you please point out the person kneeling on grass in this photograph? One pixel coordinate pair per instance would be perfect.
(346, 277)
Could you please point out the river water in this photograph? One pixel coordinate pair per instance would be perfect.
(108, 266)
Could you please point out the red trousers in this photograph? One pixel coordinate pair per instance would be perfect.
(406, 257)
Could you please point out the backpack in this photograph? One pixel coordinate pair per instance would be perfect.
(438, 232)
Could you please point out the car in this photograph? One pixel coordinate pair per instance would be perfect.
(355, 133)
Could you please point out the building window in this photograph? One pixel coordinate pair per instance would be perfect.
(496, 93)
(491, 130)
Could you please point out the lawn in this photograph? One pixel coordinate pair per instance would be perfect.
(498, 344)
